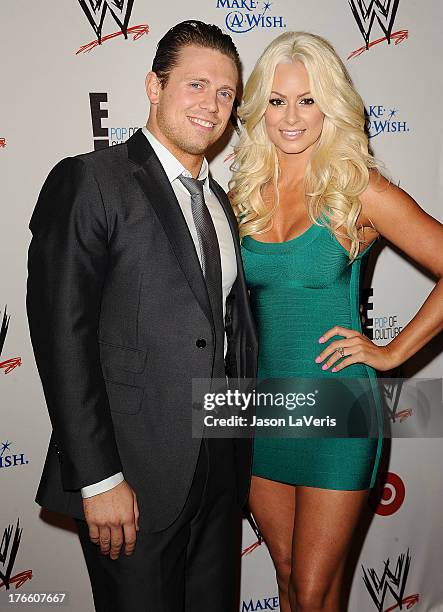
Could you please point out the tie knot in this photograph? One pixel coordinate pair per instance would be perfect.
(194, 186)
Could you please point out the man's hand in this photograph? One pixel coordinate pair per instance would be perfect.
(112, 519)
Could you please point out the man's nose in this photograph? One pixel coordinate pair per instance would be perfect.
(209, 101)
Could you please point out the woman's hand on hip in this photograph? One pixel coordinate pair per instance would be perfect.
(354, 347)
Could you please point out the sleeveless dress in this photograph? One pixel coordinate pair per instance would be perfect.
(299, 289)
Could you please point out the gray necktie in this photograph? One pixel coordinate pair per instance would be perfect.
(210, 259)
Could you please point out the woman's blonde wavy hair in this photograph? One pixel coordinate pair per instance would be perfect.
(338, 170)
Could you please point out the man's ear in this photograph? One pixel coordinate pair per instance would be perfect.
(153, 87)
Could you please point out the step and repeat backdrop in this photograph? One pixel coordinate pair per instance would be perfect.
(72, 80)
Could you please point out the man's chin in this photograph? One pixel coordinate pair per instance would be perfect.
(198, 144)
(197, 148)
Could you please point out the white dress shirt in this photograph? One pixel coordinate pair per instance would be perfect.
(173, 169)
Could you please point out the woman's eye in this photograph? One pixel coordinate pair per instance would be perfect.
(276, 101)
(308, 101)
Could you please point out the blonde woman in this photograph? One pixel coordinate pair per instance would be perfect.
(310, 203)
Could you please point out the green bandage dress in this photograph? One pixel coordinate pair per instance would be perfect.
(299, 289)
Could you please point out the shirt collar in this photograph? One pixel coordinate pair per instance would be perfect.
(172, 167)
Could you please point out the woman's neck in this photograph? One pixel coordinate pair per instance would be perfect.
(292, 169)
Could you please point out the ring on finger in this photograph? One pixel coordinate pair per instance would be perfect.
(341, 351)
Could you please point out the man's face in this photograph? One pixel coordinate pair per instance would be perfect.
(191, 111)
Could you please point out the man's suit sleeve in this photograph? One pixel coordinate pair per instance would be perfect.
(67, 263)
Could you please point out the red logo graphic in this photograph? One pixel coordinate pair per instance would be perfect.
(392, 495)
(392, 391)
(2, 143)
(95, 11)
(249, 549)
(409, 601)
(256, 530)
(398, 37)
(404, 414)
(384, 11)
(9, 364)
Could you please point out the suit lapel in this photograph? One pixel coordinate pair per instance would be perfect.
(158, 190)
(224, 201)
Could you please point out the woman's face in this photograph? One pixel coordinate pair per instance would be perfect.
(293, 120)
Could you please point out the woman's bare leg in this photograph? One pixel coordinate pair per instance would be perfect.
(325, 521)
(273, 506)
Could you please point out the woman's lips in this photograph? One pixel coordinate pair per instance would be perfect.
(292, 134)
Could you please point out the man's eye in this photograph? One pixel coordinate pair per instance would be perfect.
(196, 85)
(226, 94)
(307, 101)
(276, 101)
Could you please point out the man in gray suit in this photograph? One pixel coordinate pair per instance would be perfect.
(135, 288)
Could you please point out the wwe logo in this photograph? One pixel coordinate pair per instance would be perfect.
(365, 13)
(392, 582)
(392, 392)
(9, 547)
(95, 11)
(9, 364)
(4, 330)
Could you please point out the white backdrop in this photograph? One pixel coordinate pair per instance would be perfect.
(46, 114)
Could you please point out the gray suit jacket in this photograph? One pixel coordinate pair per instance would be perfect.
(118, 308)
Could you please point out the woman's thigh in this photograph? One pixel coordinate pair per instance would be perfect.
(324, 524)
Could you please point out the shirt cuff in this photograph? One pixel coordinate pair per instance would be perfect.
(104, 485)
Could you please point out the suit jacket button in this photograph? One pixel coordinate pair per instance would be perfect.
(201, 343)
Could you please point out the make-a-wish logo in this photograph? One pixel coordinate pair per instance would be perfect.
(8, 459)
(8, 553)
(266, 603)
(366, 12)
(120, 10)
(246, 15)
(105, 136)
(9, 364)
(384, 120)
(390, 587)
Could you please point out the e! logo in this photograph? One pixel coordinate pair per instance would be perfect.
(99, 133)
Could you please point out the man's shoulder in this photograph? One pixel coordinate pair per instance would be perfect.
(103, 164)
(93, 159)
(104, 167)
(105, 156)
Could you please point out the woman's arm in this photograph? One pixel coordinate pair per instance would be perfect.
(398, 218)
